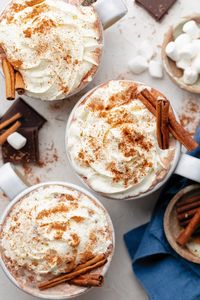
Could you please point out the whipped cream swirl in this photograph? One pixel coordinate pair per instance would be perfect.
(55, 45)
(112, 143)
(54, 228)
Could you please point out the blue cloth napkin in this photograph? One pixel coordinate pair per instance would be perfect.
(162, 272)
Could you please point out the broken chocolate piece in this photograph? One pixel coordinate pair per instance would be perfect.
(88, 2)
(157, 8)
(31, 118)
(28, 154)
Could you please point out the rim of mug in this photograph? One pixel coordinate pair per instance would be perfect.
(80, 189)
(142, 195)
(79, 89)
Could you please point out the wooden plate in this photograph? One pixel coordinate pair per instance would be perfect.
(170, 66)
(171, 225)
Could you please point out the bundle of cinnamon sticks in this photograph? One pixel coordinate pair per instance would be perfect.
(13, 79)
(166, 121)
(80, 275)
(188, 214)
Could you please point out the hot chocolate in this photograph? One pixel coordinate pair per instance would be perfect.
(50, 231)
(112, 143)
(55, 45)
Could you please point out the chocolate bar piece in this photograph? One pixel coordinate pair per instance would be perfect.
(31, 118)
(28, 154)
(157, 8)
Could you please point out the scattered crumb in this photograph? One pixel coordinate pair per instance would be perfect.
(3, 197)
(55, 106)
(189, 116)
(50, 157)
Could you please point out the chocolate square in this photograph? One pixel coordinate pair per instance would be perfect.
(28, 154)
(31, 118)
(157, 8)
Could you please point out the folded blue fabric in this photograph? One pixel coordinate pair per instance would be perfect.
(162, 272)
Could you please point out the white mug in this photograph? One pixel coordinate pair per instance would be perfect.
(109, 12)
(15, 188)
(183, 164)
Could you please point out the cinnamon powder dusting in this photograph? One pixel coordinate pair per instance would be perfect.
(33, 2)
(131, 139)
(189, 116)
(77, 219)
(43, 27)
(61, 208)
(116, 100)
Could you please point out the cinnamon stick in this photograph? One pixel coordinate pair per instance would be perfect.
(19, 83)
(162, 113)
(90, 280)
(187, 201)
(6, 134)
(9, 74)
(188, 207)
(165, 122)
(158, 124)
(186, 214)
(186, 234)
(92, 264)
(10, 121)
(147, 103)
(175, 128)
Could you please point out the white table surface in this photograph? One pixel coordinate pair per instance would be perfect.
(121, 43)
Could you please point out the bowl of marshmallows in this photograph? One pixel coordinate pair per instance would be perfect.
(181, 53)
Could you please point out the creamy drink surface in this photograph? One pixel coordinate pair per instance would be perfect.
(50, 231)
(112, 143)
(54, 44)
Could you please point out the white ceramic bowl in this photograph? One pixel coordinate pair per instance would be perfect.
(49, 294)
(181, 163)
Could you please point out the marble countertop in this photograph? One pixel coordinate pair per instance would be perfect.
(121, 43)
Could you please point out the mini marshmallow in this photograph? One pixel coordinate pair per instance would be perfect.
(146, 49)
(183, 64)
(138, 65)
(196, 44)
(196, 64)
(192, 29)
(190, 76)
(182, 40)
(16, 140)
(189, 51)
(155, 69)
(171, 51)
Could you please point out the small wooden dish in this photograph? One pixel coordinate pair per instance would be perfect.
(170, 66)
(171, 225)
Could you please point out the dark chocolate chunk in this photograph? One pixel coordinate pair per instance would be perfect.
(31, 118)
(28, 154)
(157, 8)
(88, 2)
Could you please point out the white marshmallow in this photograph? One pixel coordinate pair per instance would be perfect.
(171, 51)
(182, 40)
(188, 51)
(196, 64)
(16, 140)
(192, 29)
(156, 69)
(196, 43)
(183, 64)
(190, 76)
(138, 65)
(146, 49)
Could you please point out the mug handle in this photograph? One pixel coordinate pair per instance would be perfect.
(11, 181)
(110, 11)
(189, 167)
